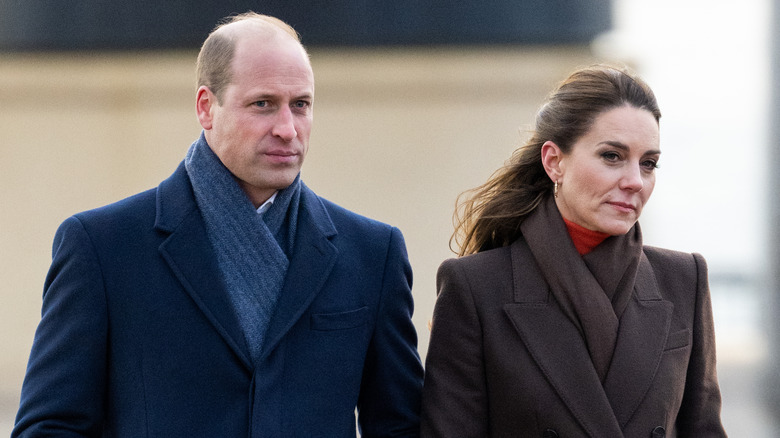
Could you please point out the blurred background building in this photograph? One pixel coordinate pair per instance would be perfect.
(416, 101)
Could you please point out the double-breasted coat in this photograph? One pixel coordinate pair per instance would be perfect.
(505, 361)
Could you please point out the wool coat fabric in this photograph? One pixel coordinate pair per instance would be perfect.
(505, 361)
(138, 338)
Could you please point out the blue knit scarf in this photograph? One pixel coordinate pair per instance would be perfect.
(252, 250)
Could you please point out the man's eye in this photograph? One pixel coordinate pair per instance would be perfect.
(261, 103)
(301, 104)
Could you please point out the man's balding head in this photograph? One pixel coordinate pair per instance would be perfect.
(216, 55)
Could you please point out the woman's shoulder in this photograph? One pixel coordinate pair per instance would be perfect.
(481, 268)
(676, 267)
(485, 277)
(491, 257)
(669, 256)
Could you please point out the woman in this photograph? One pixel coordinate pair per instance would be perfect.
(557, 322)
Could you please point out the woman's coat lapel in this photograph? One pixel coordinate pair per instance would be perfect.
(644, 328)
(560, 351)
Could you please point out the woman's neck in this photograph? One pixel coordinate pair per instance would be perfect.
(584, 239)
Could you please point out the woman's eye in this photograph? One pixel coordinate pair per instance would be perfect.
(610, 156)
(650, 164)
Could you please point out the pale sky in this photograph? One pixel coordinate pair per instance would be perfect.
(709, 64)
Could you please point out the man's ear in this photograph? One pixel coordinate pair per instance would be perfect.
(205, 101)
(551, 160)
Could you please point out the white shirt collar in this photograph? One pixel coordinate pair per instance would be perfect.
(267, 204)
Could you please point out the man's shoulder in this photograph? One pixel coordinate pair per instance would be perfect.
(142, 205)
(342, 214)
(346, 220)
(120, 215)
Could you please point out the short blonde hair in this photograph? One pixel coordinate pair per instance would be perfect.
(216, 55)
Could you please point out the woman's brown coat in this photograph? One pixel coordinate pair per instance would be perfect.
(504, 360)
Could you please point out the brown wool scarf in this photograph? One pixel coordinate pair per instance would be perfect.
(594, 290)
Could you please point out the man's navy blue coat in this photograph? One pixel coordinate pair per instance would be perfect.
(138, 338)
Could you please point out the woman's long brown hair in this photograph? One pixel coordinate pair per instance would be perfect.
(489, 216)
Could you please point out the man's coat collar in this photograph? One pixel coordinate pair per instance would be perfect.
(188, 252)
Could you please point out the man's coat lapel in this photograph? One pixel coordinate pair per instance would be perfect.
(312, 261)
(189, 254)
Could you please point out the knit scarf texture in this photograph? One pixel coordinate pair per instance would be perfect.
(593, 290)
(252, 250)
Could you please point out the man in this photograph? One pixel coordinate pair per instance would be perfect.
(232, 300)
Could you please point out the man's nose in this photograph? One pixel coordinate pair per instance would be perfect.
(284, 126)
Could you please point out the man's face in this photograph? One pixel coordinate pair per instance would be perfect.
(260, 130)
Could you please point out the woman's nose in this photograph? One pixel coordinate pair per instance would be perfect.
(632, 179)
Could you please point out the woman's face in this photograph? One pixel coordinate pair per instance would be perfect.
(609, 174)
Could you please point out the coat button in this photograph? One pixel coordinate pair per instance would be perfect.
(549, 433)
(658, 432)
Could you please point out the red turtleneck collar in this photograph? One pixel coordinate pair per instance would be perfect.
(584, 239)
